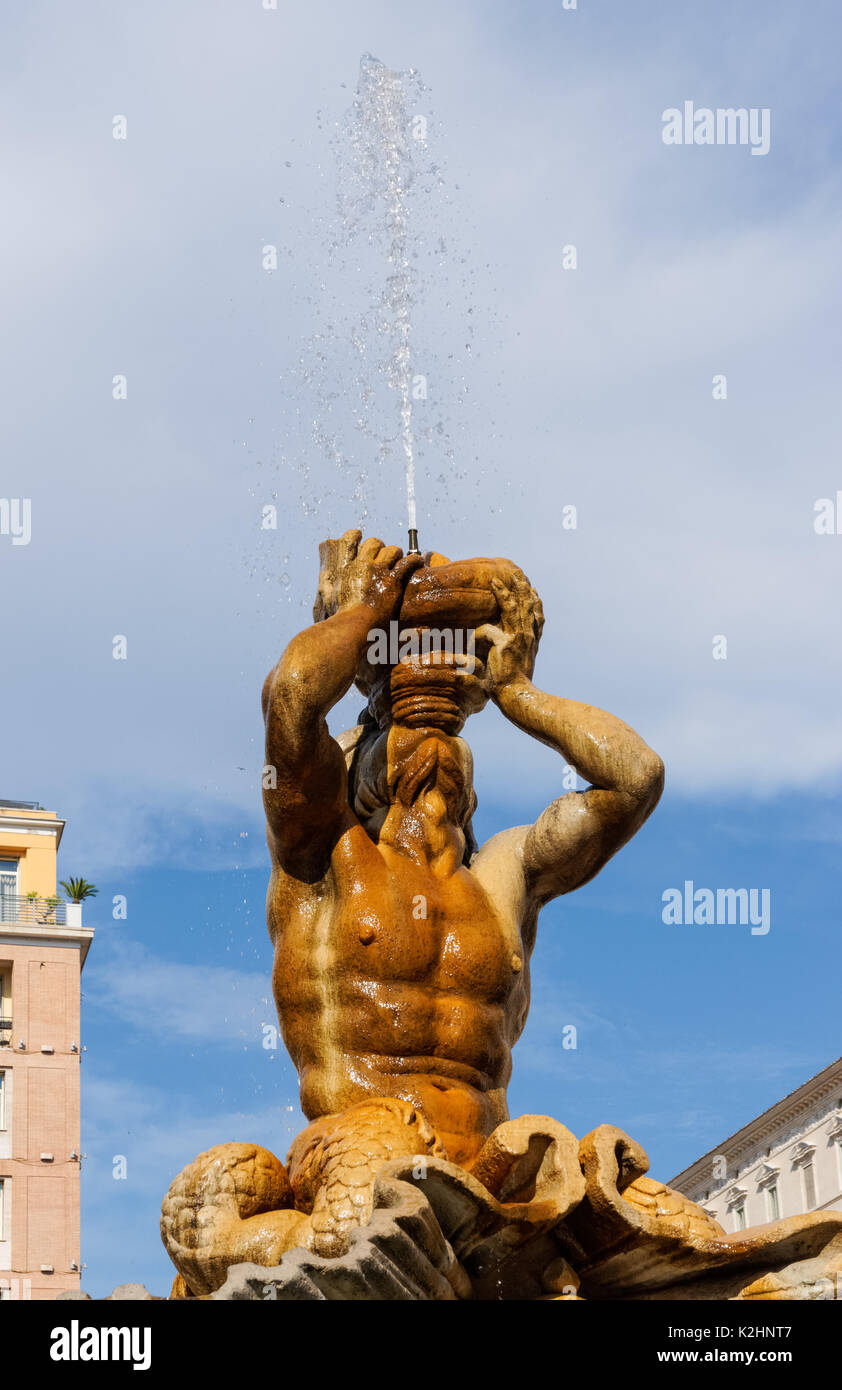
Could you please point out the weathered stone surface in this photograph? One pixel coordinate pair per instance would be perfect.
(400, 1255)
(638, 1237)
(380, 908)
(806, 1279)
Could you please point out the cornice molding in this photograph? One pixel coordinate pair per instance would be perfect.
(32, 825)
(21, 934)
(784, 1114)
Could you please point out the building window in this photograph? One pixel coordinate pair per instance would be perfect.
(772, 1204)
(809, 1180)
(740, 1218)
(2, 1208)
(2, 1108)
(8, 889)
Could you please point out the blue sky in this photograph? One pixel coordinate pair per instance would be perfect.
(547, 387)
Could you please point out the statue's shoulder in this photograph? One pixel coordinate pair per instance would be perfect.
(498, 863)
(505, 842)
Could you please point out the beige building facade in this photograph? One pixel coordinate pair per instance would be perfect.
(785, 1162)
(43, 945)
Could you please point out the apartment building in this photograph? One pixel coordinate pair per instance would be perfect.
(43, 945)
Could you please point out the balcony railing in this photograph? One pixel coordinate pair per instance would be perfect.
(44, 912)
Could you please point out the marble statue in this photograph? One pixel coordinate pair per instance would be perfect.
(401, 978)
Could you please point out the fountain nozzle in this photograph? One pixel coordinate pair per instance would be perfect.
(413, 542)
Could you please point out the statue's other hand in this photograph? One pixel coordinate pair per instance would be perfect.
(231, 1205)
(514, 641)
(355, 571)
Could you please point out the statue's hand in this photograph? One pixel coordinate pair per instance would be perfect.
(514, 642)
(371, 573)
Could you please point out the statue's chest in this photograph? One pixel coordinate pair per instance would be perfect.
(411, 925)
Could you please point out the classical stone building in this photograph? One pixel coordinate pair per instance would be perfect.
(786, 1161)
(43, 945)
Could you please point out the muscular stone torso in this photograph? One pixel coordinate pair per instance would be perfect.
(377, 998)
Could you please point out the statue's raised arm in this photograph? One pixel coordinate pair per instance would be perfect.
(305, 781)
(580, 831)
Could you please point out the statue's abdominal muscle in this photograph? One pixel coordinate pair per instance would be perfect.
(399, 983)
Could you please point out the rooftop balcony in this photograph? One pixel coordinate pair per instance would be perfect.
(41, 912)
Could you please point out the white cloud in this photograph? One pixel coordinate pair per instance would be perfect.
(202, 1003)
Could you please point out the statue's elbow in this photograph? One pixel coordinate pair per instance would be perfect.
(287, 686)
(653, 781)
(291, 716)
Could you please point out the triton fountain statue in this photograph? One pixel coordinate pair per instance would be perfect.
(401, 977)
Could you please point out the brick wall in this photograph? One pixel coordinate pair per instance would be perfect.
(43, 1193)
